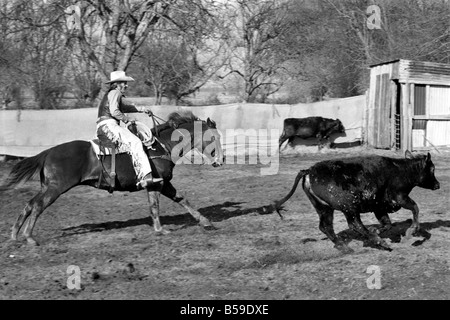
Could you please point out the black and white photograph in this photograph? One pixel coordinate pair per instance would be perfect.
(228, 156)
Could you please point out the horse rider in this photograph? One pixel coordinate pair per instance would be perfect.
(110, 113)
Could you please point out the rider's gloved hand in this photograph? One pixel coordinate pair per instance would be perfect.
(148, 111)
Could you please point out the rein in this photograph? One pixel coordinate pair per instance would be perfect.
(156, 123)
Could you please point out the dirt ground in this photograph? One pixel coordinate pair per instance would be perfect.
(251, 255)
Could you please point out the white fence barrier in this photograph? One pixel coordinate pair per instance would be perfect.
(26, 133)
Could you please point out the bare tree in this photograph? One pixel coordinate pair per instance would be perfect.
(11, 76)
(257, 27)
(410, 29)
(175, 68)
(169, 68)
(107, 33)
(331, 45)
(184, 52)
(121, 27)
(32, 32)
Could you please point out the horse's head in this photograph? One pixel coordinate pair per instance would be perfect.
(211, 146)
(192, 133)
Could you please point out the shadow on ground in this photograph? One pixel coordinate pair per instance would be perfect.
(228, 210)
(398, 231)
(215, 213)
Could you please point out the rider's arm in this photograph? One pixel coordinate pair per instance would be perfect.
(129, 108)
(133, 108)
(114, 97)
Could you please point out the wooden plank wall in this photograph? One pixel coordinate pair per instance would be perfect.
(381, 112)
(407, 113)
(376, 111)
(379, 125)
(384, 137)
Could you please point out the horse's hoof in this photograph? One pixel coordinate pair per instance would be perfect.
(344, 248)
(206, 224)
(383, 245)
(162, 232)
(210, 227)
(409, 233)
(32, 242)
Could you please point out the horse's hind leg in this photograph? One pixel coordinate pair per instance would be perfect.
(170, 192)
(20, 220)
(32, 211)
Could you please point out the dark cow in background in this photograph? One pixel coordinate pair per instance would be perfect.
(311, 127)
(365, 184)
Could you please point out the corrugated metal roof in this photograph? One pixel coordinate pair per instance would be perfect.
(429, 67)
(424, 72)
(381, 63)
(419, 70)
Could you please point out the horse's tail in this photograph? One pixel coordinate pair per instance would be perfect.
(279, 203)
(26, 169)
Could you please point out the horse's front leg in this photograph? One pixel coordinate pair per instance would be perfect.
(170, 192)
(153, 200)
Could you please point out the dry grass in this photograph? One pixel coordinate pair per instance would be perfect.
(252, 254)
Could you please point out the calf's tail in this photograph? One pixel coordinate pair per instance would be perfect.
(279, 203)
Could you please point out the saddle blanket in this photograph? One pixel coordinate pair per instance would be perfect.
(101, 150)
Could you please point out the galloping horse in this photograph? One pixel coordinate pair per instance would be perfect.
(75, 163)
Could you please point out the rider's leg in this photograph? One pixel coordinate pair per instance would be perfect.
(133, 146)
(145, 134)
(140, 160)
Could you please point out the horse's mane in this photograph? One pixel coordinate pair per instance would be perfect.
(177, 118)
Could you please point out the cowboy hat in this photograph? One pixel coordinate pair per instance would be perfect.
(117, 76)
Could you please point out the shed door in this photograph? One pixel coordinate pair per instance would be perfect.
(382, 112)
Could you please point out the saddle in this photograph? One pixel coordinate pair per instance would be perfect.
(102, 147)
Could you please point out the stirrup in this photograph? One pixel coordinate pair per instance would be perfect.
(149, 144)
(145, 182)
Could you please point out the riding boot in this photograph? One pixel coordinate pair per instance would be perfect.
(148, 180)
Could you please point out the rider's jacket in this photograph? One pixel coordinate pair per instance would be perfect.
(112, 107)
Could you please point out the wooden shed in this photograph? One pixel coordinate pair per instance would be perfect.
(408, 105)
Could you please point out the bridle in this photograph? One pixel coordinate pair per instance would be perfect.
(156, 123)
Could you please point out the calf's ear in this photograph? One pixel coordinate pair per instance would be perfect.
(428, 157)
(210, 123)
(408, 154)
